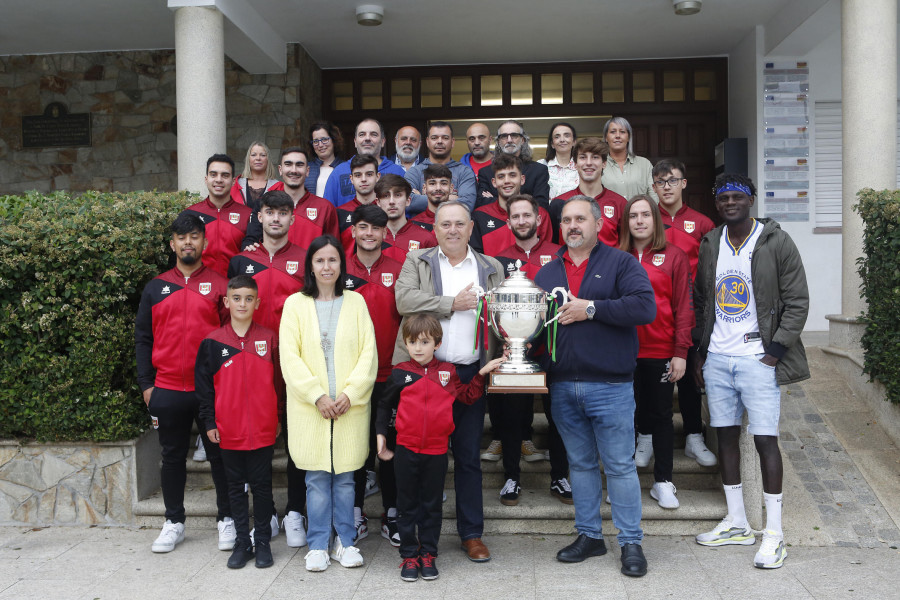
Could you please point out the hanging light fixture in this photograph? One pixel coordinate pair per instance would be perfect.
(687, 7)
(369, 15)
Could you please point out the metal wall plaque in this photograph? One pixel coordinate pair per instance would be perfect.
(55, 128)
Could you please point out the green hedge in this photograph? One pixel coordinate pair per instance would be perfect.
(71, 273)
(879, 269)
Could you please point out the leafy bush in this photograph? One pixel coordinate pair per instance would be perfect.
(879, 268)
(72, 269)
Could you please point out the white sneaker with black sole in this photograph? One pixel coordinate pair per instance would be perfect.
(389, 528)
(171, 535)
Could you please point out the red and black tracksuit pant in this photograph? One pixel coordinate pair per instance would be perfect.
(253, 467)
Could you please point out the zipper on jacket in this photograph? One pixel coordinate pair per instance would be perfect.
(184, 328)
(425, 414)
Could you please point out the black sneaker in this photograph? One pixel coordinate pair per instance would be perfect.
(389, 530)
(509, 495)
(562, 490)
(409, 569)
(264, 555)
(240, 556)
(429, 569)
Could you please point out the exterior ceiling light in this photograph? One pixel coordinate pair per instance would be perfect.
(369, 15)
(685, 7)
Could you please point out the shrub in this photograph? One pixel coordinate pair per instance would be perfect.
(72, 269)
(879, 268)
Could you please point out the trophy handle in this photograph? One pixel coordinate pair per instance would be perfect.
(565, 298)
(479, 291)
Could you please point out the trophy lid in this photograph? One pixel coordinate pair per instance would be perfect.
(517, 282)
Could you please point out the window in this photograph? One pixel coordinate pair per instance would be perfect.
(371, 95)
(520, 89)
(673, 86)
(704, 85)
(643, 87)
(613, 87)
(432, 94)
(582, 88)
(461, 91)
(342, 94)
(401, 93)
(491, 90)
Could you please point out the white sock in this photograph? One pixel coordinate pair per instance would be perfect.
(392, 513)
(734, 497)
(773, 512)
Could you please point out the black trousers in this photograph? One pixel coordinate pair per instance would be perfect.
(255, 468)
(559, 461)
(296, 482)
(172, 413)
(653, 412)
(689, 398)
(420, 487)
(514, 414)
(386, 479)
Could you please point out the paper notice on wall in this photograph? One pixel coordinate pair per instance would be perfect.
(786, 141)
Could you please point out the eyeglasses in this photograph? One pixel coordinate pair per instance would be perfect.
(664, 183)
(320, 141)
(511, 136)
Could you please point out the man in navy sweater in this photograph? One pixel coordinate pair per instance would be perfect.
(609, 294)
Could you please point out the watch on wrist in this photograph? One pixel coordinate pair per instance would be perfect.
(590, 309)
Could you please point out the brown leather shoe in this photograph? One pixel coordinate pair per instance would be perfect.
(476, 551)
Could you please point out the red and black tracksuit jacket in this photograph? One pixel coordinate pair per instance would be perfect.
(424, 219)
(225, 230)
(670, 332)
(345, 224)
(313, 216)
(612, 205)
(491, 233)
(175, 314)
(376, 285)
(685, 230)
(277, 277)
(532, 260)
(411, 236)
(239, 386)
(418, 402)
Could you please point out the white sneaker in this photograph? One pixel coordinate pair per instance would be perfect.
(171, 535)
(227, 534)
(664, 493)
(643, 453)
(493, 452)
(361, 522)
(200, 452)
(727, 533)
(771, 552)
(294, 529)
(317, 560)
(371, 484)
(273, 526)
(348, 557)
(695, 448)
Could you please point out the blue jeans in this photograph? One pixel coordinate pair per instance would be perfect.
(466, 442)
(329, 501)
(596, 422)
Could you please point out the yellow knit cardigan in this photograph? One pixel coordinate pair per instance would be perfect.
(316, 443)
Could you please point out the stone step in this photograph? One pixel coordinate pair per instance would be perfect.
(537, 512)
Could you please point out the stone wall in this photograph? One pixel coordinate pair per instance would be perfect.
(131, 98)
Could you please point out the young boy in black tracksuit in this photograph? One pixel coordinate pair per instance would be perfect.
(241, 396)
(418, 403)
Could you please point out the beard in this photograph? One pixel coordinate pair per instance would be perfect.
(189, 259)
(527, 235)
(407, 155)
(575, 242)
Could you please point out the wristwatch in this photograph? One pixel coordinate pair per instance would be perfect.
(590, 309)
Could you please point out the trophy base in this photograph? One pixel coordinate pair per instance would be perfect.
(517, 383)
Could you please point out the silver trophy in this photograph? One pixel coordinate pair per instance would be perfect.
(517, 310)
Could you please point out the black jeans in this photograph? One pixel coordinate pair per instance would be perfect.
(653, 413)
(511, 416)
(689, 398)
(173, 413)
(420, 487)
(255, 468)
(296, 482)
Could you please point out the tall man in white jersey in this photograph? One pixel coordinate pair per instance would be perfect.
(751, 303)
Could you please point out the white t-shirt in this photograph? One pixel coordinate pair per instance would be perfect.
(736, 332)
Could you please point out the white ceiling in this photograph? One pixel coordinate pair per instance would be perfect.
(414, 32)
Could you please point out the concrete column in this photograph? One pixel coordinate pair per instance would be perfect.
(199, 91)
(869, 114)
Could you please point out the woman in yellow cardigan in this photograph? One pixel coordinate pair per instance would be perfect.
(329, 362)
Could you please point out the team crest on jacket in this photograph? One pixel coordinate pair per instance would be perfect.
(387, 279)
(291, 266)
(312, 213)
(234, 218)
(689, 226)
(609, 212)
(261, 347)
(444, 376)
(545, 258)
(413, 244)
(658, 260)
(205, 288)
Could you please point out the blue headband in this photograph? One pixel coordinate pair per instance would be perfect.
(733, 187)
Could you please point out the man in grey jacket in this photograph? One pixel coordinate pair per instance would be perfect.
(442, 281)
(751, 303)
(439, 141)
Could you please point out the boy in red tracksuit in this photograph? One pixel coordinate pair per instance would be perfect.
(241, 396)
(418, 402)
